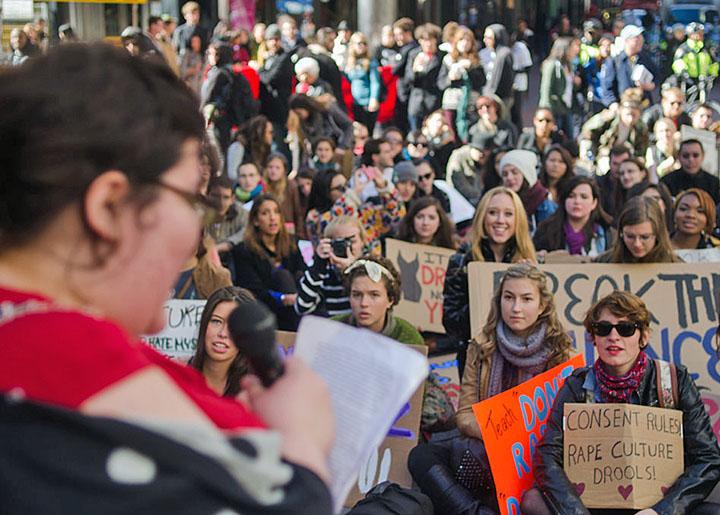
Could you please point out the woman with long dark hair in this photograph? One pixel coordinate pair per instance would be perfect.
(253, 144)
(268, 262)
(322, 117)
(579, 225)
(286, 191)
(556, 170)
(216, 356)
(426, 223)
(327, 187)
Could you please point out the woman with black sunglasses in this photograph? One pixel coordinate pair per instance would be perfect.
(619, 325)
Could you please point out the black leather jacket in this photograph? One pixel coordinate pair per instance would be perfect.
(702, 455)
(456, 298)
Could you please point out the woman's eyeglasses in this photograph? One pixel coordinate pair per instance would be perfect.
(204, 208)
(339, 189)
(644, 238)
(624, 329)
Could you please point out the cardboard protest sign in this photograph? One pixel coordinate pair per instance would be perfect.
(512, 423)
(699, 255)
(622, 455)
(178, 339)
(422, 269)
(389, 461)
(445, 369)
(682, 299)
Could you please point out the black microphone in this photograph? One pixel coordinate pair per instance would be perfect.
(252, 328)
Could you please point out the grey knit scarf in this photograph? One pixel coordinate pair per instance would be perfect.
(529, 355)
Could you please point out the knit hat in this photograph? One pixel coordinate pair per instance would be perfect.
(523, 160)
(405, 171)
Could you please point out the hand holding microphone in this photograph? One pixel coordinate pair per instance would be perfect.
(288, 396)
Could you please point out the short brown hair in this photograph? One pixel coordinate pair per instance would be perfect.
(428, 31)
(404, 24)
(391, 286)
(621, 304)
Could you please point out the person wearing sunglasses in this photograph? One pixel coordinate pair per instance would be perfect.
(619, 326)
(426, 183)
(642, 235)
(88, 255)
(542, 134)
(691, 174)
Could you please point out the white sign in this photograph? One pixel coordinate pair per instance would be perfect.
(17, 10)
(179, 338)
(709, 143)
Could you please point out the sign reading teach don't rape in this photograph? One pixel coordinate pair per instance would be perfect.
(512, 424)
(682, 297)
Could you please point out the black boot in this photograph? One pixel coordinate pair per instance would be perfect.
(450, 497)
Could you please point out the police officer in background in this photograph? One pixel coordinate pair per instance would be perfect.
(693, 61)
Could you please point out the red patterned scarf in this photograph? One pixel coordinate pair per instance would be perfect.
(618, 389)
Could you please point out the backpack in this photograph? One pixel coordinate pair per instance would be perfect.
(240, 104)
(388, 498)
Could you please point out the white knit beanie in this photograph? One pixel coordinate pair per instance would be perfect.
(523, 160)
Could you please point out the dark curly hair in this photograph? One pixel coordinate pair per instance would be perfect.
(391, 286)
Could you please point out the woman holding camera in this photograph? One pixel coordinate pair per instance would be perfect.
(321, 291)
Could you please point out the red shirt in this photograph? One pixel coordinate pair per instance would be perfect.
(63, 358)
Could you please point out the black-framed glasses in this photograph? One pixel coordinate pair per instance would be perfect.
(624, 329)
(205, 209)
(339, 189)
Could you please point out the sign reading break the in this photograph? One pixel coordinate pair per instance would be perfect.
(622, 455)
(512, 424)
(422, 269)
(178, 339)
(682, 298)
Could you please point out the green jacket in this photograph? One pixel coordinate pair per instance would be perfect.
(395, 328)
(552, 87)
(694, 59)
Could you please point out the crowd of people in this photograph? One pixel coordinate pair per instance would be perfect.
(311, 150)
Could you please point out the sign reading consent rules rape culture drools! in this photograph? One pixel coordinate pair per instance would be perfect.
(422, 269)
(681, 297)
(512, 424)
(622, 455)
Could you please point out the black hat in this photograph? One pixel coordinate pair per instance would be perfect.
(481, 140)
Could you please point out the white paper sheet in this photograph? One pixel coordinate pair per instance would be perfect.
(370, 378)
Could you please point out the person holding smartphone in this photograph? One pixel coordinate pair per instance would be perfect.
(377, 214)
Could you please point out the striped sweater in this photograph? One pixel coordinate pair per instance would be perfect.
(321, 291)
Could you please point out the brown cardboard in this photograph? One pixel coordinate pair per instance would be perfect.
(622, 455)
(422, 269)
(682, 298)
